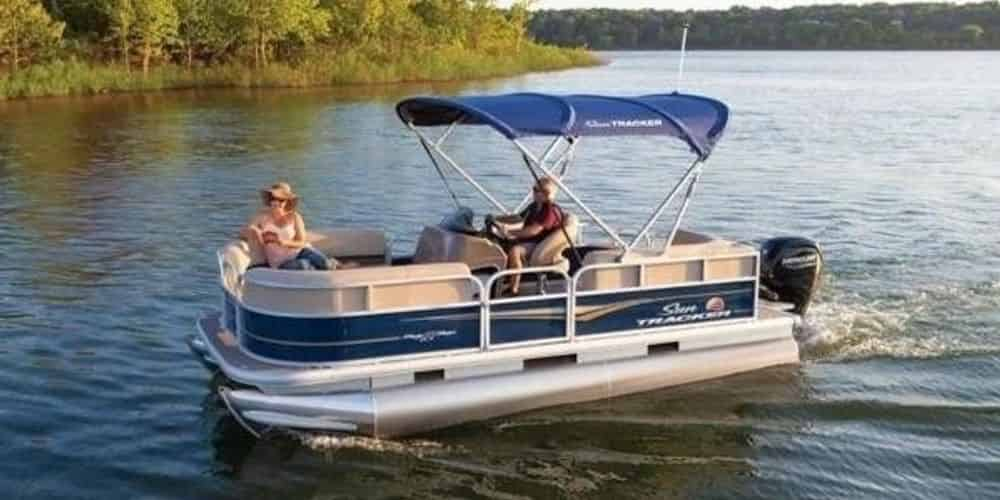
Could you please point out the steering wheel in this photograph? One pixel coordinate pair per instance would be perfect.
(492, 231)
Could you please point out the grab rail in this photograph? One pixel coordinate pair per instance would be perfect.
(525, 270)
(488, 301)
(568, 295)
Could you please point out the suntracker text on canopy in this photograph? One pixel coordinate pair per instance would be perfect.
(697, 120)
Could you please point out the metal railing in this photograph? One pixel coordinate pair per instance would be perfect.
(542, 272)
(482, 294)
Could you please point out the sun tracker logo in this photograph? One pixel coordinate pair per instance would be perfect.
(715, 304)
(676, 313)
(624, 123)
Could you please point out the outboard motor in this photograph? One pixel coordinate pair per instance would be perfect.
(790, 270)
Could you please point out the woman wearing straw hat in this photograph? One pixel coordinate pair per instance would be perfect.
(281, 233)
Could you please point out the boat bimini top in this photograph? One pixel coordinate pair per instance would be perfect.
(698, 121)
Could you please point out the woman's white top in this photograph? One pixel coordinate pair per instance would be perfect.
(277, 254)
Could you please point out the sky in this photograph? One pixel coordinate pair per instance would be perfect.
(687, 4)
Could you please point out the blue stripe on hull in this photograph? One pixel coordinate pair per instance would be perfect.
(332, 353)
(621, 311)
(523, 321)
(346, 338)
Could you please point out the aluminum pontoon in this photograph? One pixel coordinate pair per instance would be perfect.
(399, 345)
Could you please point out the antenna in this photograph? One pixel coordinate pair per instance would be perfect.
(680, 65)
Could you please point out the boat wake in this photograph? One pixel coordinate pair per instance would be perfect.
(943, 321)
(329, 442)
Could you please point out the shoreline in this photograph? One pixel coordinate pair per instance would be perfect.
(74, 78)
(598, 51)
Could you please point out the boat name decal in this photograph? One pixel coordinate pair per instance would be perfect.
(675, 312)
(430, 336)
(624, 123)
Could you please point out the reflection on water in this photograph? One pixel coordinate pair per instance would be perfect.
(110, 208)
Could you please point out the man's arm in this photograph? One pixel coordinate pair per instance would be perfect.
(529, 231)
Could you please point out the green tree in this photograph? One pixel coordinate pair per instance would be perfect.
(382, 25)
(838, 26)
(259, 23)
(121, 17)
(155, 24)
(446, 21)
(197, 26)
(83, 18)
(25, 28)
(518, 20)
(971, 34)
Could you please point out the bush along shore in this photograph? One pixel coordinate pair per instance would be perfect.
(86, 47)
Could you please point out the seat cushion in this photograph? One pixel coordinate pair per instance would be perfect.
(549, 251)
(341, 243)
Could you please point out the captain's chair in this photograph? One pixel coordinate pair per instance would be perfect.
(549, 251)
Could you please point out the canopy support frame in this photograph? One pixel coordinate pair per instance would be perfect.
(690, 177)
(436, 148)
(533, 162)
(683, 210)
(564, 160)
(693, 170)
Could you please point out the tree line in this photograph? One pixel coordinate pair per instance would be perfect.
(141, 33)
(874, 26)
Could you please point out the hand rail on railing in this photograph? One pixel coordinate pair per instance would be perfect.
(362, 284)
(524, 270)
(488, 301)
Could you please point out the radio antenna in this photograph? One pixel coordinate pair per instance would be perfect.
(680, 65)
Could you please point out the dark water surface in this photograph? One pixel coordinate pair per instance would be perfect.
(111, 208)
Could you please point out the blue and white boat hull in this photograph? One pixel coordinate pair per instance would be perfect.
(399, 402)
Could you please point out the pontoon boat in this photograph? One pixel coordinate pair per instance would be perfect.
(404, 344)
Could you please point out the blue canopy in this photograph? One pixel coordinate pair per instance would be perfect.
(697, 120)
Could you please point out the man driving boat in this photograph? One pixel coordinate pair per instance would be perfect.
(540, 218)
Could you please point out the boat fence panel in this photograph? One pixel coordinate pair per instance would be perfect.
(345, 338)
(614, 311)
(632, 297)
(533, 318)
(538, 319)
(730, 267)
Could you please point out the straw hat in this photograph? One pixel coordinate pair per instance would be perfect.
(281, 191)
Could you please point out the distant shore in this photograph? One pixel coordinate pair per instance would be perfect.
(876, 26)
(75, 77)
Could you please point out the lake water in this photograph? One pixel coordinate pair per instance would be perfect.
(112, 208)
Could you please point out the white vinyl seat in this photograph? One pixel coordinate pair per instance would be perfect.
(364, 246)
(549, 251)
(355, 290)
(692, 257)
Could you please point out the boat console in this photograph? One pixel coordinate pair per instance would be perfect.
(456, 239)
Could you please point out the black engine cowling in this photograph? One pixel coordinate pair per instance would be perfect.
(790, 270)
